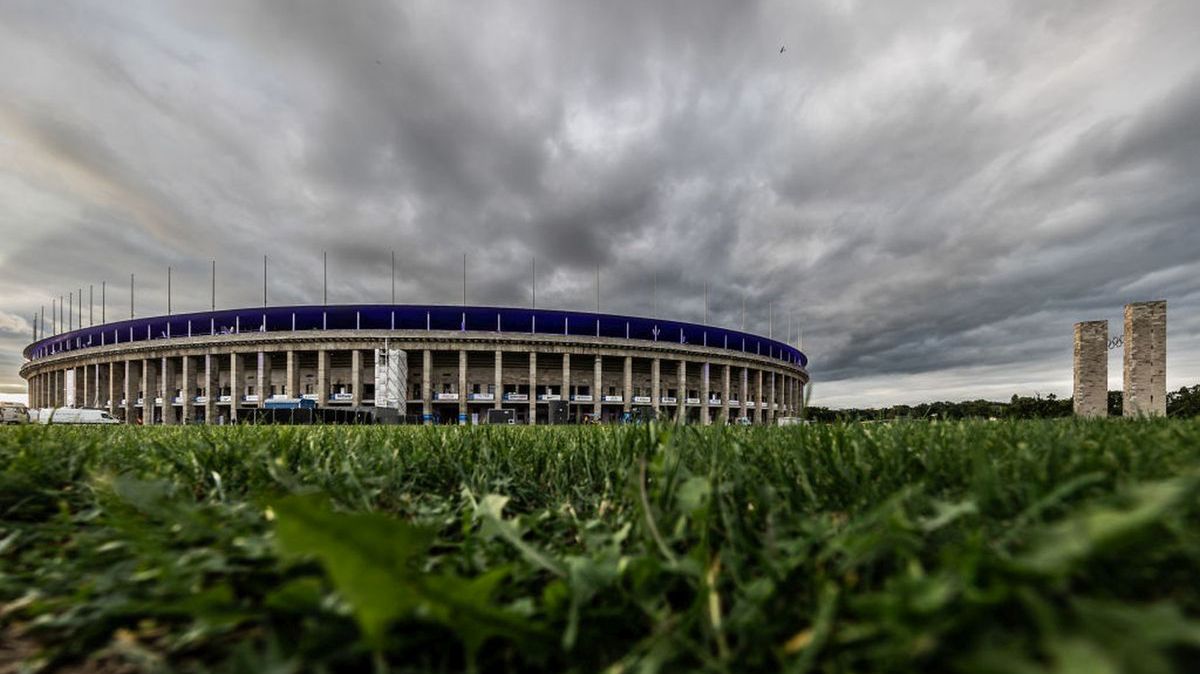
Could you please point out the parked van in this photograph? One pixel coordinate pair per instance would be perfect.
(13, 413)
(70, 415)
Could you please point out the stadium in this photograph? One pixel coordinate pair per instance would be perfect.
(437, 364)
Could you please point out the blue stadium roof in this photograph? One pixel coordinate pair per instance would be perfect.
(413, 317)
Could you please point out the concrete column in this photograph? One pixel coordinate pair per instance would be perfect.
(655, 392)
(532, 387)
(681, 397)
(323, 378)
(627, 394)
(427, 386)
(167, 389)
(356, 377)
(187, 410)
(293, 376)
(462, 387)
(566, 381)
(705, 413)
(147, 392)
(237, 384)
(498, 376)
(262, 379)
(771, 412)
(758, 397)
(725, 393)
(127, 391)
(1090, 392)
(1145, 363)
(82, 374)
(211, 394)
(597, 380)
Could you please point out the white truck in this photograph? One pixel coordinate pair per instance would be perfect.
(13, 413)
(71, 415)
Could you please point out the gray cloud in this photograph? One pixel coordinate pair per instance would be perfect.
(933, 192)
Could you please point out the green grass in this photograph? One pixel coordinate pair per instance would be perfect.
(1054, 546)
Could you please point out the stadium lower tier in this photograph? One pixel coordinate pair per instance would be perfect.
(430, 376)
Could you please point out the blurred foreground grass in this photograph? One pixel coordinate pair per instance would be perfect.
(986, 547)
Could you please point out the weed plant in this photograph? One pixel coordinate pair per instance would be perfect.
(1036, 546)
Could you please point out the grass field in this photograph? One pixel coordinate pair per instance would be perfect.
(1057, 546)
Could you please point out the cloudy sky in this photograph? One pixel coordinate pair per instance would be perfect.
(933, 191)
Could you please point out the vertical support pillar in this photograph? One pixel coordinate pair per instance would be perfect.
(427, 387)
(462, 387)
(211, 394)
(263, 379)
(566, 382)
(532, 387)
(725, 393)
(771, 411)
(81, 374)
(237, 384)
(167, 390)
(147, 392)
(705, 411)
(292, 385)
(322, 377)
(597, 392)
(627, 392)
(127, 390)
(1145, 362)
(758, 397)
(655, 393)
(498, 375)
(681, 410)
(187, 391)
(356, 378)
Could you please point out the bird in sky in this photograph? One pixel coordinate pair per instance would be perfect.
(782, 49)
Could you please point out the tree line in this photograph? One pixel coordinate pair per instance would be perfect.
(1183, 403)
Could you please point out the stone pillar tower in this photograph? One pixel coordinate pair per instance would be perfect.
(1091, 369)
(1145, 359)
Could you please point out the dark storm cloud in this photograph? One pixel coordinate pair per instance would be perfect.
(932, 192)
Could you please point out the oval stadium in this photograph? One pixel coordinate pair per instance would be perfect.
(437, 364)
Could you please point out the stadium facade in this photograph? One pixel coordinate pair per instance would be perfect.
(436, 363)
